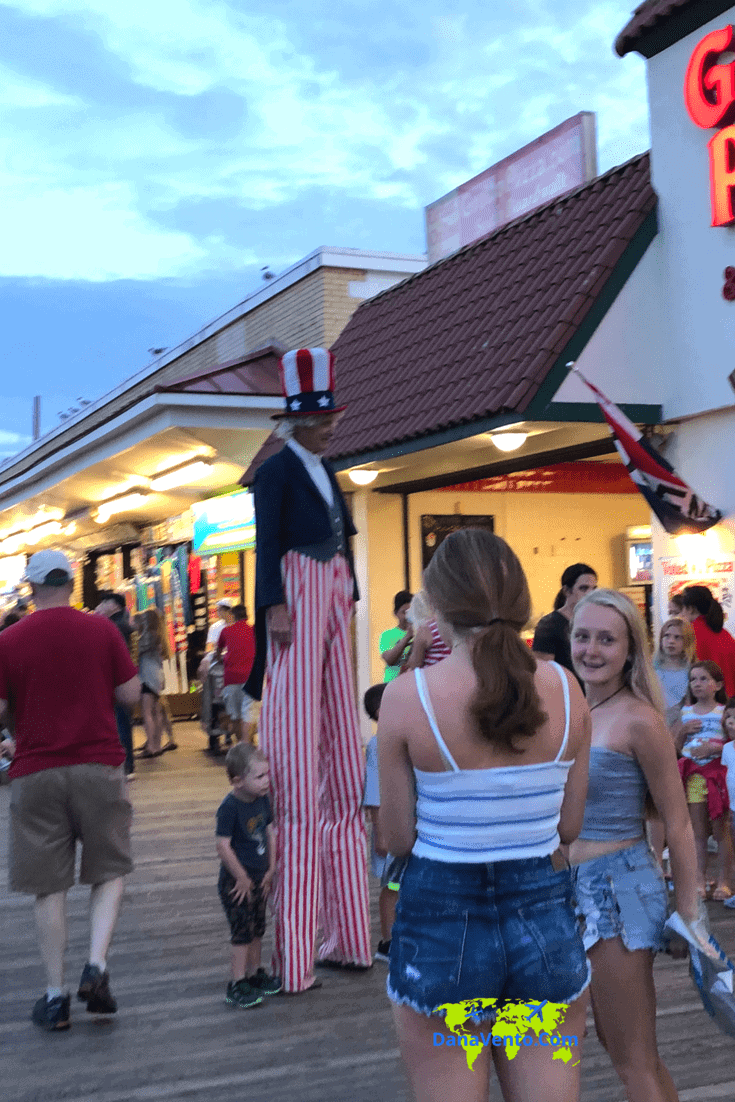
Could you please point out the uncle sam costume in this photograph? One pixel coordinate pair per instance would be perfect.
(309, 722)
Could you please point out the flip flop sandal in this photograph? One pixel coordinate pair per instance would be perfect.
(145, 753)
(169, 746)
(719, 895)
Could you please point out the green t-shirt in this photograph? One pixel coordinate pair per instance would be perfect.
(388, 640)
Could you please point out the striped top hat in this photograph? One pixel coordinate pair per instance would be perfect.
(307, 379)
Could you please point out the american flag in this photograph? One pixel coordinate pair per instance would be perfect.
(675, 504)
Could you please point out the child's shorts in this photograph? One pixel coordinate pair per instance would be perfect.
(470, 931)
(696, 789)
(622, 894)
(246, 919)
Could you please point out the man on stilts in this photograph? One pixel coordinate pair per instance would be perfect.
(304, 594)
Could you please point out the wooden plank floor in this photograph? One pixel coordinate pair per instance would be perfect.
(174, 1038)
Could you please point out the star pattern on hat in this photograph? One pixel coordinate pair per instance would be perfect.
(295, 404)
(323, 401)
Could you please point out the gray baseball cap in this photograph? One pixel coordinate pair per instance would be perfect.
(49, 568)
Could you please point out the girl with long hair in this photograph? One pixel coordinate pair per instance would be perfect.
(483, 772)
(153, 650)
(714, 642)
(677, 649)
(620, 891)
(700, 740)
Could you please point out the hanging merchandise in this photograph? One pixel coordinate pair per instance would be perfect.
(181, 566)
(210, 585)
(229, 567)
(195, 573)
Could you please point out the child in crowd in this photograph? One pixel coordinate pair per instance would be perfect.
(428, 646)
(381, 862)
(153, 651)
(677, 649)
(246, 848)
(699, 740)
(728, 761)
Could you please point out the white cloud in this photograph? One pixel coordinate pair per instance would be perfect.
(87, 233)
(483, 82)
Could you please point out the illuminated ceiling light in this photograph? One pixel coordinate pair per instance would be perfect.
(120, 505)
(509, 441)
(362, 477)
(12, 544)
(41, 531)
(193, 471)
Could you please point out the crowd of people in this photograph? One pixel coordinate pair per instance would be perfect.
(518, 793)
(527, 802)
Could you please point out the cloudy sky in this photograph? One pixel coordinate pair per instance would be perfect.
(159, 153)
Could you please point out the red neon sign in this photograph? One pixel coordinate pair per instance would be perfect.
(709, 96)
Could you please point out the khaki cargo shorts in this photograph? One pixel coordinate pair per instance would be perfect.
(51, 811)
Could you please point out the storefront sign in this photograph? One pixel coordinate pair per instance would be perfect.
(224, 523)
(552, 165)
(717, 574)
(564, 478)
(709, 95)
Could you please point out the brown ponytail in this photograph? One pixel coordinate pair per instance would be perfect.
(700, 599)
(477, 585)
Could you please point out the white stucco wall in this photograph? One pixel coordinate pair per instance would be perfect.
(698, 332)
(625, 355)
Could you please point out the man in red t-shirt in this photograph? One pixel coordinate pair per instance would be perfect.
(237, 641)
(63, 672)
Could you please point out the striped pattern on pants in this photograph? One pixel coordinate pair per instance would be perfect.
(310, 733)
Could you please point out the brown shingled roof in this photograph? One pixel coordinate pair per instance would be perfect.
(657, 24)
(479, 332)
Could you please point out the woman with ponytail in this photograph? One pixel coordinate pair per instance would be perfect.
(483, 773)
(714, 642)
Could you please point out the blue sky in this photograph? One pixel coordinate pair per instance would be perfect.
(159, 154)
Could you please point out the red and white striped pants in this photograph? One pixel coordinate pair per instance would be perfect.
(310, 734)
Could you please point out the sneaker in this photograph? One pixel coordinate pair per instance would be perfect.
(265, 984)
(242, 995)
(729, 903)
(94, 990)
(383, 950)
(51, 1014)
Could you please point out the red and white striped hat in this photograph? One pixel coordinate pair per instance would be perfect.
(307, 379)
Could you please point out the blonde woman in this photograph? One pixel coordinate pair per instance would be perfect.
(153, 650)
(619, 887)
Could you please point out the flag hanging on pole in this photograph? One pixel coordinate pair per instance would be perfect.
(675, 504)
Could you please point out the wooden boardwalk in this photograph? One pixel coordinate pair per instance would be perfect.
(174, 1038)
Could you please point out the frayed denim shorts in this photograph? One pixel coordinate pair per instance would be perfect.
(469, 931)
(622, 894)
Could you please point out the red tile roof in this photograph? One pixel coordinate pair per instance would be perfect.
(651, 17)
(479, 332)
(254, 373)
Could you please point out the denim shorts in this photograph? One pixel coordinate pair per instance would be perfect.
(468, 931)
(622, 894)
